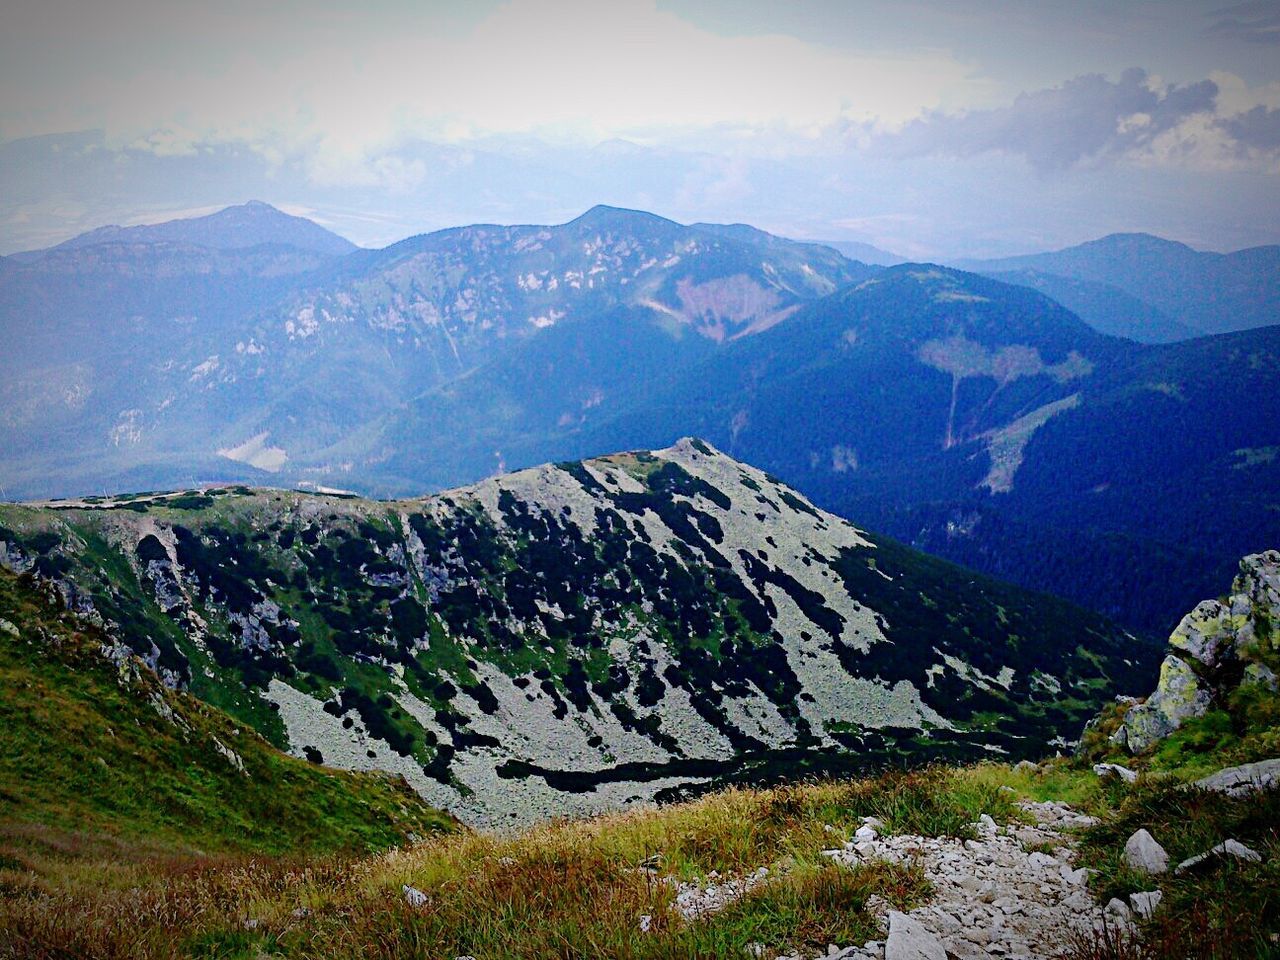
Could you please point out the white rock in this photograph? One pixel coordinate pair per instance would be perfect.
(413, 896)
(646, 921)
(1141, 852)
(1042, 861)
(1144, 904)
(909, 940)
(1074, 877)
(1244, 779)
(1124, 773)
(1229, 848)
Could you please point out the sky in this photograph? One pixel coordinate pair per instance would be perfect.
(937, 129)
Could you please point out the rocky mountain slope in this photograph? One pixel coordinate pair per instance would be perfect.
(145, 360)
(576, 636)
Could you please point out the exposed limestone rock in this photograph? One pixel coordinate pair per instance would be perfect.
(1228, 848)
(1124, 773)
(1142, 852)
(1244, 779)
(413, 896)
(909, 940)
(1144, 904)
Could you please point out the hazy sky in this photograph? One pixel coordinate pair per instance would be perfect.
(936, 128)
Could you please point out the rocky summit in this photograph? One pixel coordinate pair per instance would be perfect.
(577, 636)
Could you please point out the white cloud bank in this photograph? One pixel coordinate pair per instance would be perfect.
(348, 88)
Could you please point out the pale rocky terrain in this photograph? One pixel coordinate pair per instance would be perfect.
(571, 638)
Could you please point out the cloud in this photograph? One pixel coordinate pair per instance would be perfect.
(1090, 118)
(346, 90)
(1254, 22)
(1256, 129)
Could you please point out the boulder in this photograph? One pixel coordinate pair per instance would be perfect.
(1124, 773)
(1144, 904)
(909, 940)
(1228, 848)
(1207, 651)
(1260, 675)
(1179, 696)
(1207, 634)
(1244, 779)
(1142, 852)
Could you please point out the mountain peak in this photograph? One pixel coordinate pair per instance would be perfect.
(249, 224)
(603, 215)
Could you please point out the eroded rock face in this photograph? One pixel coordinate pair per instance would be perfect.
(1218, 646)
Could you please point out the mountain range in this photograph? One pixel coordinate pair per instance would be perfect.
(577, 636)
(1172, 283)
(979, 419)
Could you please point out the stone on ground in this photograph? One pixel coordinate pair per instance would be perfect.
(1228, 848)
(909, 940)
(1244, 779)
(1143, 853)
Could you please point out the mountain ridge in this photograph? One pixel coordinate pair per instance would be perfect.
(672, 621)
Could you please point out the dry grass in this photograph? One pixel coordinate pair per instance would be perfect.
(566, 889)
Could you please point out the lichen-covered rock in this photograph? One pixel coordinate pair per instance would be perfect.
(1179, 695)
(1207, 634)
(1260, 675)
(1219, 645)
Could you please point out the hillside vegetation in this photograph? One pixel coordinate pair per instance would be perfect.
(165, 849)
(95, 752)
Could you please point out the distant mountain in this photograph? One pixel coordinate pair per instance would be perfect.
(1213, 292)
(251, 224)
(863, 252)
(1104, 307)
(985, 423)
(577, 636)
(926, 401)
(213, 373)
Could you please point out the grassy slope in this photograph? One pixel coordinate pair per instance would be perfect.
(83, 752)
(580, 888)
(129, 885)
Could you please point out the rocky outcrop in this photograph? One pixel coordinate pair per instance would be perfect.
(1219, 646)
(1245, 779)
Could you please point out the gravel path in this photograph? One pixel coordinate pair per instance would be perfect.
(999, 896)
